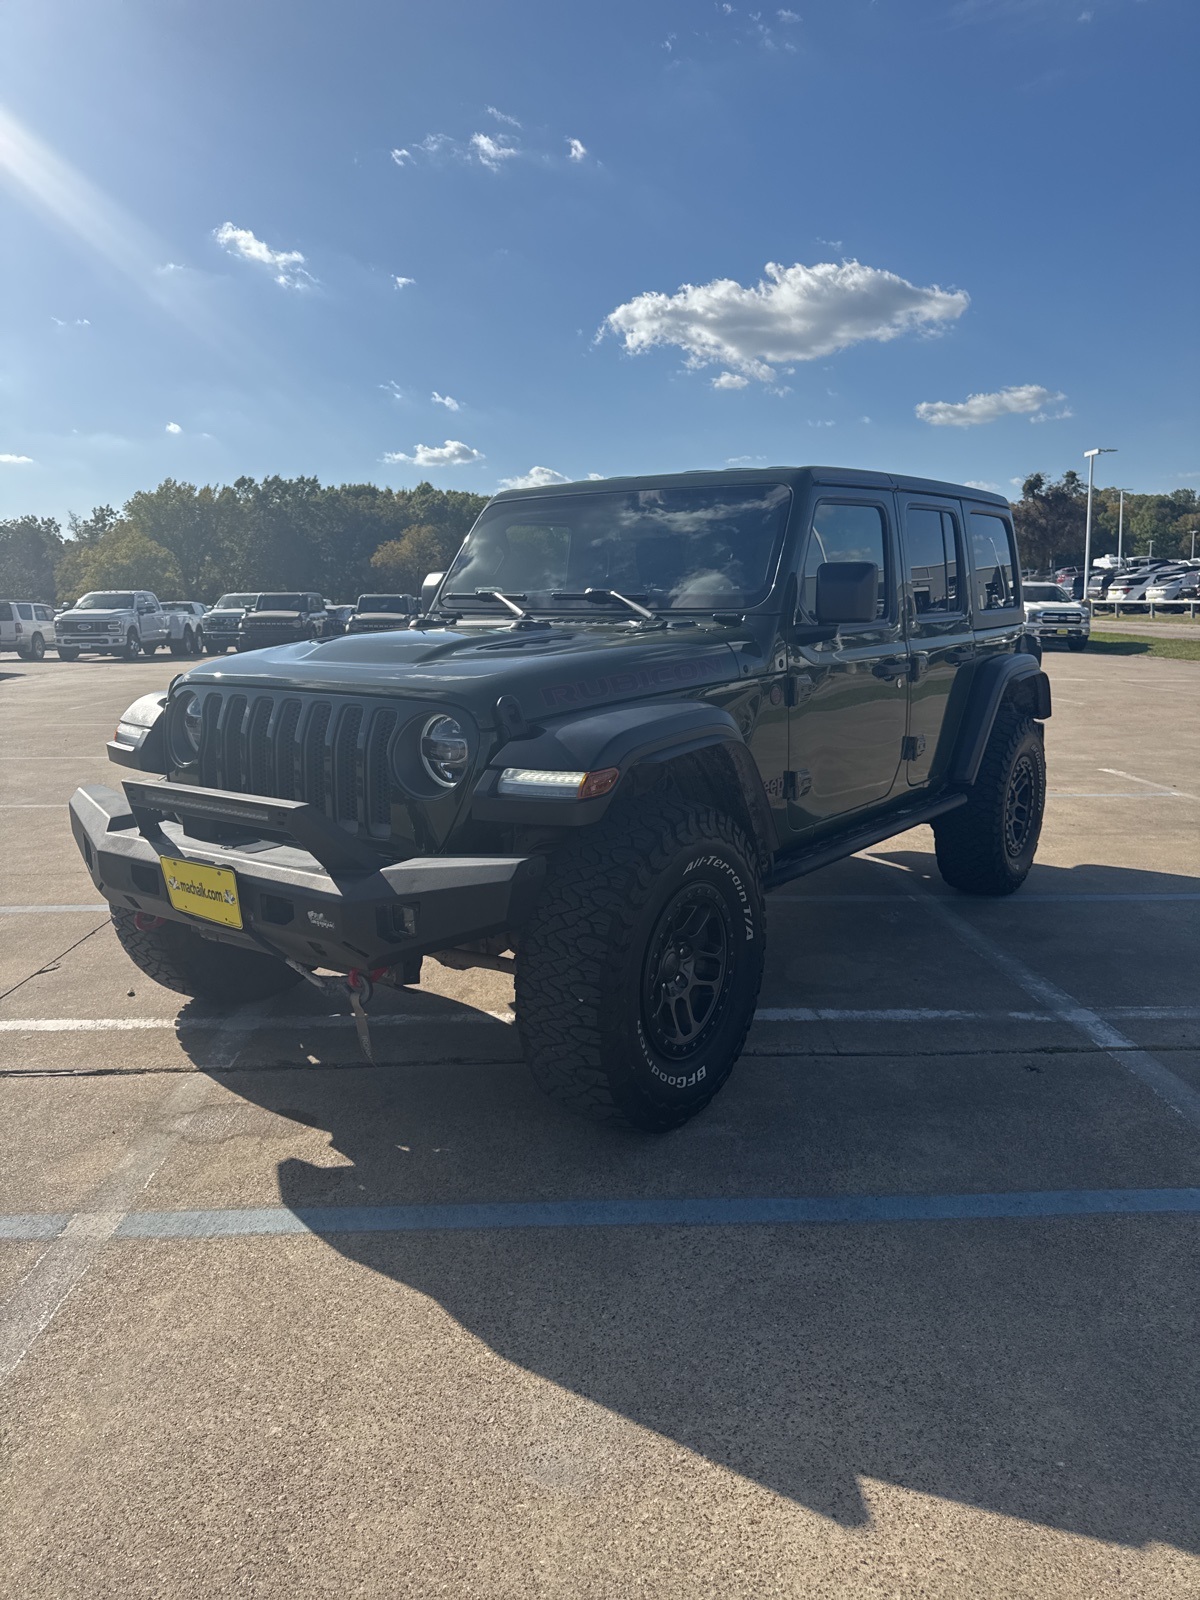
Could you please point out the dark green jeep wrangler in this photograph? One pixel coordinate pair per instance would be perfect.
(629, 709)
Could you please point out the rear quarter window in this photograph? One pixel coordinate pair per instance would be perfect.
(994, 559)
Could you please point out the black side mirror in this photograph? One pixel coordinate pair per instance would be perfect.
(847, 591)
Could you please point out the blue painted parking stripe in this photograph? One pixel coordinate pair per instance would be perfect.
(671, 1213)
(34, 1225)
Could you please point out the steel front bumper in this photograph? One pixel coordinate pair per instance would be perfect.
(378, 917)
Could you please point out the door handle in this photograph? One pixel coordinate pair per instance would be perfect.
(891, 667)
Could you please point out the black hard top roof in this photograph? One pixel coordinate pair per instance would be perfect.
(794, 476)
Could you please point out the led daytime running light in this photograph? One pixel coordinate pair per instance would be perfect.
(533, 782)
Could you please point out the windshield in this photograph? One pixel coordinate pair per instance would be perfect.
(675, 549)
(103, 601)
(383, 602)
(1043, 591)
(279, 602)
(233, 602)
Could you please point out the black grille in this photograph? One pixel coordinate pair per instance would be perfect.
(334, 754)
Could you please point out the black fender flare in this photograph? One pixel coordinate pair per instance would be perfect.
(1019, 676)
(639, 734)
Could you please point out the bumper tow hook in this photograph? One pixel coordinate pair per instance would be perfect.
(360, 986)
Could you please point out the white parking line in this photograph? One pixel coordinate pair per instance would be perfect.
(413, 1019)
(25, 911)
(1165, 788)
(37, 1297)
(1179, 1095)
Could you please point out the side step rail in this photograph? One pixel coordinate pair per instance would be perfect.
(798, 865)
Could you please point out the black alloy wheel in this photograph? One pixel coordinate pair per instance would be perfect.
(685, 980)
(1019, 804)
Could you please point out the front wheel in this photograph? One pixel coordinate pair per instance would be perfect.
(179, 647)
(987, 846)
(213, 649)
(133, 646)
(639, 972)
(179, 958)
(1076, 644)
(68, 652)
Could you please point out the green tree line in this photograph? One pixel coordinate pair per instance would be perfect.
(1051, 521)
(185, 542)
(295, 533)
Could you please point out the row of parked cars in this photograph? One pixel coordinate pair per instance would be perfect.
(134, 622)
(1149, 580)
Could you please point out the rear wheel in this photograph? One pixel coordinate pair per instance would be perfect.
(638, 975)
(179, 958)
(988, 845)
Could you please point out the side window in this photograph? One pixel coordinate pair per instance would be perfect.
(6, 611)
(25, 612)
(932, 537)
(843, 532)
(993, 556)
(43, 613)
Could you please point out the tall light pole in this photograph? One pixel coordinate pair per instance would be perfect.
(1121, 530)
(1090, 457)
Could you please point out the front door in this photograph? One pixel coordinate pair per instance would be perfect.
(849, 695)
(939, 630)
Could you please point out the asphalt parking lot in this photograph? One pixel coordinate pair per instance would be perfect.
(911, 1310)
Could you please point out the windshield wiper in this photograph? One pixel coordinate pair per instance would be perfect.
(495, 594)
(597, 597)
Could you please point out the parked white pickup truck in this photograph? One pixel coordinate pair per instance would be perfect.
(119, 622)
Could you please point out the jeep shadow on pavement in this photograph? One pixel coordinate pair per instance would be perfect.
(630, 708)
(1040, 1370)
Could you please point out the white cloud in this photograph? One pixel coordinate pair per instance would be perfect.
(788, 16)
(393, 388)
(743, 461)
(1085, 16)
(287, 265)
(173, 427)
(823, 424)
(72, 322)
(402, 283)
(501, 116)
(7, 460)
(1060, 415)
(445, 400)
(537, 478)
(730, 380)
(436, 144)
(490, 152)
(1026, 399)
(981, 483)
(454, 453)
(401, 157)
(794, 313)
(576, 150)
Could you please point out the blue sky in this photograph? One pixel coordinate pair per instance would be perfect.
(951, 237)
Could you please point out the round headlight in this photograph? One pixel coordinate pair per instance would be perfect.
(186, 723)
(444, 751)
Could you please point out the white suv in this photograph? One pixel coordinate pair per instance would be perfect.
(1051, 614)
(27, 627)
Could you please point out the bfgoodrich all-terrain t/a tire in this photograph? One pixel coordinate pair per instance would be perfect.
(179, 958)
(638, 975)
(988, 845)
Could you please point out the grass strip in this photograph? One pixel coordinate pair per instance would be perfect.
(1133, 644)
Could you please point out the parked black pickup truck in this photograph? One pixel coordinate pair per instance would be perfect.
(282, 619)
(631, 707)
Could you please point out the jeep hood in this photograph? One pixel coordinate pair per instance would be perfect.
(549, 670)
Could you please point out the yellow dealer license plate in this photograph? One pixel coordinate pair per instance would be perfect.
(1063, 631)
(208, 892)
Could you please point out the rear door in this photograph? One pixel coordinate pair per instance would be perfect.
(939, 630)
(995, 580)
(849, 696)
